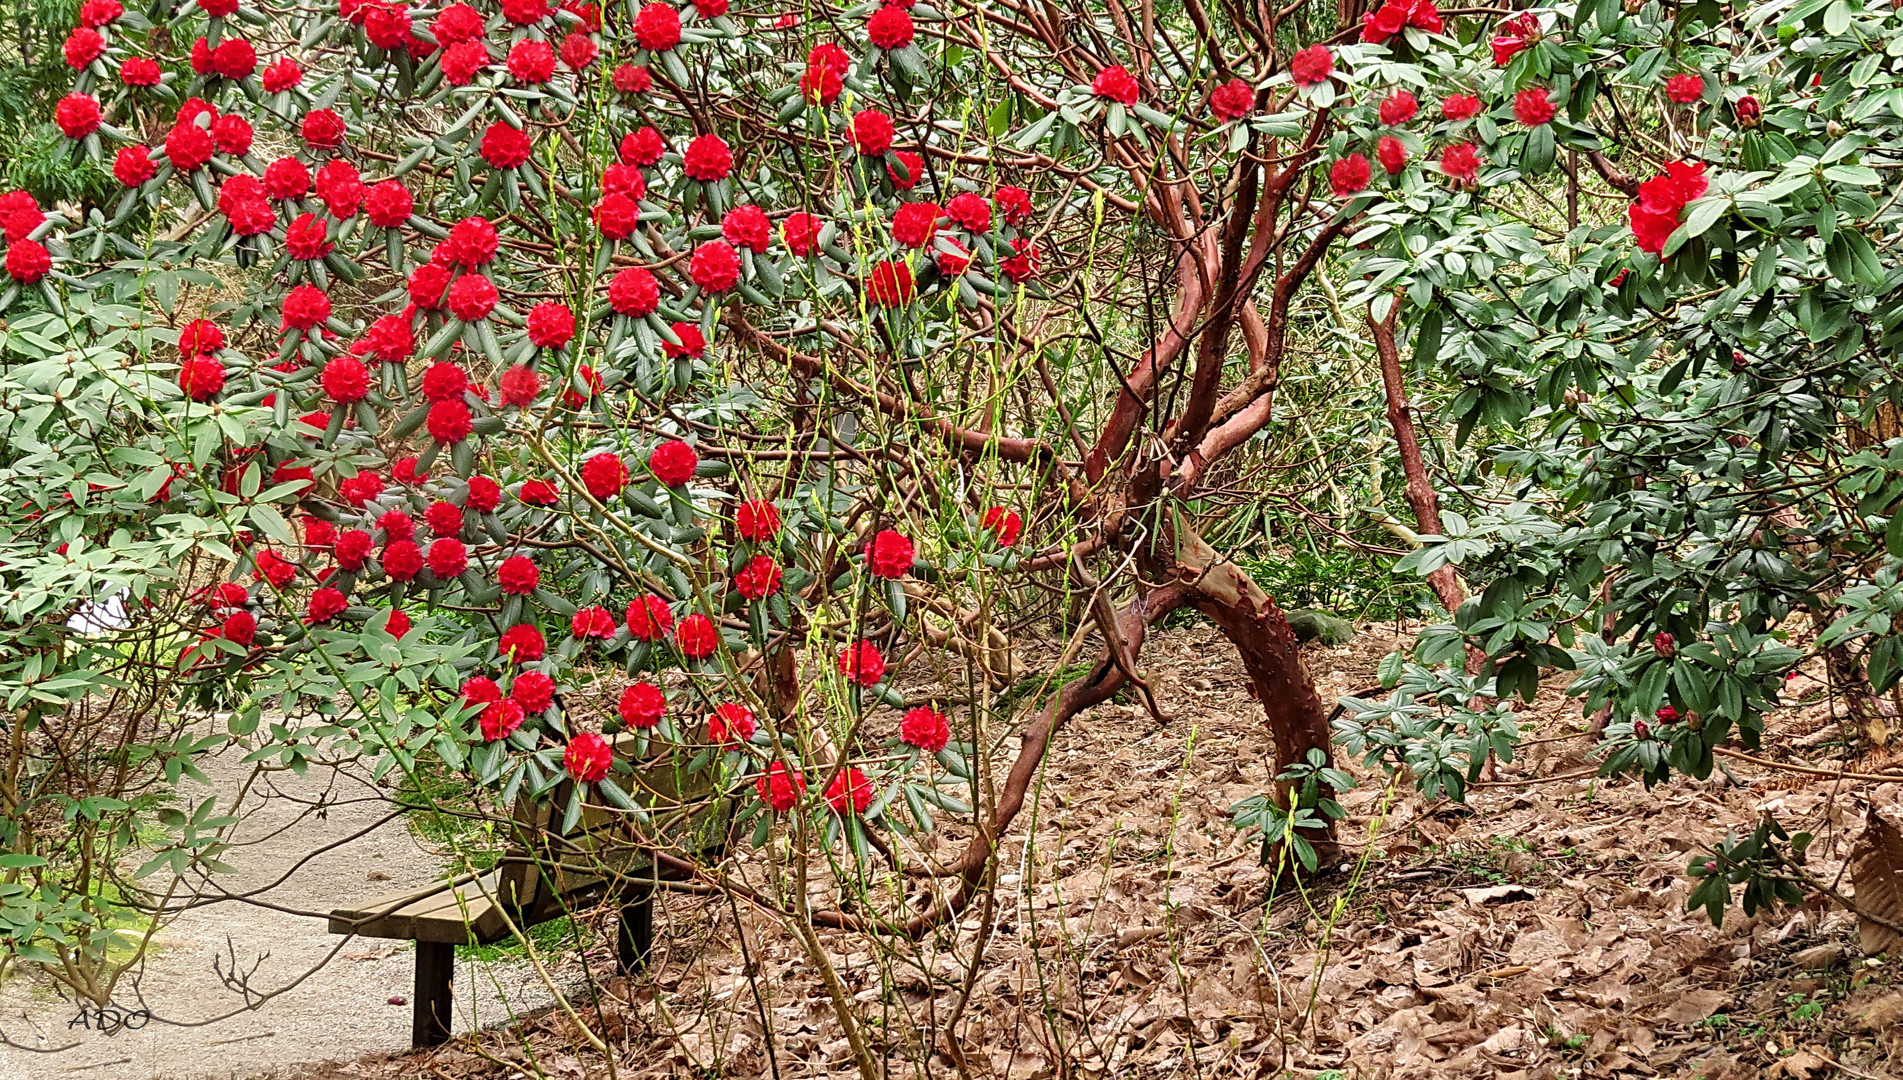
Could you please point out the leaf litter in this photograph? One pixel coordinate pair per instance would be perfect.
(1537, 931)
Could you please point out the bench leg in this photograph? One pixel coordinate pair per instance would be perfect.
(435, 968)
(636, 938)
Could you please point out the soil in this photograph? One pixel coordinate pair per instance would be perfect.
(1538, 931)
(335, 992)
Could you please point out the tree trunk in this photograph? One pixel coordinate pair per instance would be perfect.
(1420, 492)
(1257, 628)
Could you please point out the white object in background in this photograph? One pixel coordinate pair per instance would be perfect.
(104, 617)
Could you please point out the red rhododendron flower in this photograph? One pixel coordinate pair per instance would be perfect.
(199, 337)
(1021, 266)
(710, 9)
(801, 231)
(890, 27)
(890, 284)
(760, 578)
(642, 705)
(448, 558)
(389, 339)
(234, 58)
(1006, 524)
(1391, 153)
(634, 292)
(282, 75)
(306, 307)
(822, 83)
(649, 619)
(525, 12)
(617, 217)
(484, 495)
(633, 79)
(1532, 108)
(757, 520)
(287, 178)
(1516, 34)
(318, 533)
(100, 12)
(861, 663)
(325, 604)
(872, 132)
(692, 344)
(402, 560)
(273, 568)
(1460, 162)
(323, 130)
(389, 204)
(533, 690)
(481, 690)
(697, 637)
(522, 644)
(779, 788)
(850, 793)
(1312, 65)
(463, 61)
(619, 179)
(926, 729)
(889, 555)
(361, 488)
(707, 159)
(578, 51)
(1014, 203)
(504, 147)
(518, 575)
(341, 188)
(1460, 106)
(308, 238)
(907, 171)
(404, 471)
(538, 493)
(551, 325)
(187, 146)
(913, 224)
(200, 377)
(1654, 217)
(345, 379)
(387, 26)
(240, 627)
(604, 475)
(397, 625)
(450, 422)
(457, 23)
(141, 71)
(531, 61)
(953, 257)
(472, 298)
(1398, 108)
(657, 27)
(78, 115)
(592, 623)
(1116, 84)
(500, 720)
(969, 211)
(587, 758)
(83, 46)
(1232, 100)
(444, 518)
(1685, 89)
(715, 266)
(471, 242)
(646, 147)
(1349, 175)
(232, 134)
(747, 226)
(353, 549)
(673, 463)
(731, 724)
(429, 286)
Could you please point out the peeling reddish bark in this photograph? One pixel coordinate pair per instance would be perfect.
(1420, 492)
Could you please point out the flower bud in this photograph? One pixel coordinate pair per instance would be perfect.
(1750, 114)
(1665, 645)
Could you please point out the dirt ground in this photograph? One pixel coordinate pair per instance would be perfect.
(1537, 931)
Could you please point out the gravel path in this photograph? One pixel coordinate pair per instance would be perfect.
(340, 1010)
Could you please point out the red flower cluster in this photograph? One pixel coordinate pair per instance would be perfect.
(1312, 65)
(673, 463)
(1531, 107)
(780, 788)
(926, 729)
(861, 663)
(707, 158)
(890, 284)
(715, 266)
(1655, 215)
(760, 578)
(1397, 15)
(1115, 83)
(1349, 175)
(642, 705)
(825, 77)
(889, 555)
(587, 758)
(649, 619)
(731, 724)
(1232, 100)
(872, 133)
(1520, 32)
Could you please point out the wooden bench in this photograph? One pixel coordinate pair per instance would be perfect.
(545, 872)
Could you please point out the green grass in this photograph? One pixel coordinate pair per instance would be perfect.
(554, 936)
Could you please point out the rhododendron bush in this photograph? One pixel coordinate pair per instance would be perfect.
(471, 385)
